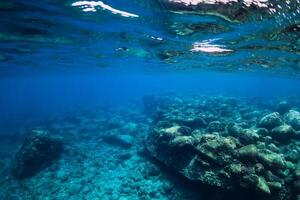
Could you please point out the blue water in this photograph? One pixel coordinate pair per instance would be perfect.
(58, 61)
(35, 96)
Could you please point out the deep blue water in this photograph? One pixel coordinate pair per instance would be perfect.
(57, 59)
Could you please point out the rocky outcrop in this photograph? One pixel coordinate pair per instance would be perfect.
(232, 157)
(38, 150)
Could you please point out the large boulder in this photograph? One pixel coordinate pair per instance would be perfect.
(293, 118)
(283, 133)
(270, 121)
(192, 155)
(38, 150)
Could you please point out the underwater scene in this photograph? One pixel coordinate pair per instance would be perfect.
(150, 99)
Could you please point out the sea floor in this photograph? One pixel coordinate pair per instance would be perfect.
(92, 167)
(103, 158)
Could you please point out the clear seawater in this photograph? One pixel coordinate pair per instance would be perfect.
(62, 63)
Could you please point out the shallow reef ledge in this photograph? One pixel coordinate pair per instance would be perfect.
(244, 150)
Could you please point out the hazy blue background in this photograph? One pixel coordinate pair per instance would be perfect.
(55, 58)
(32, 98)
